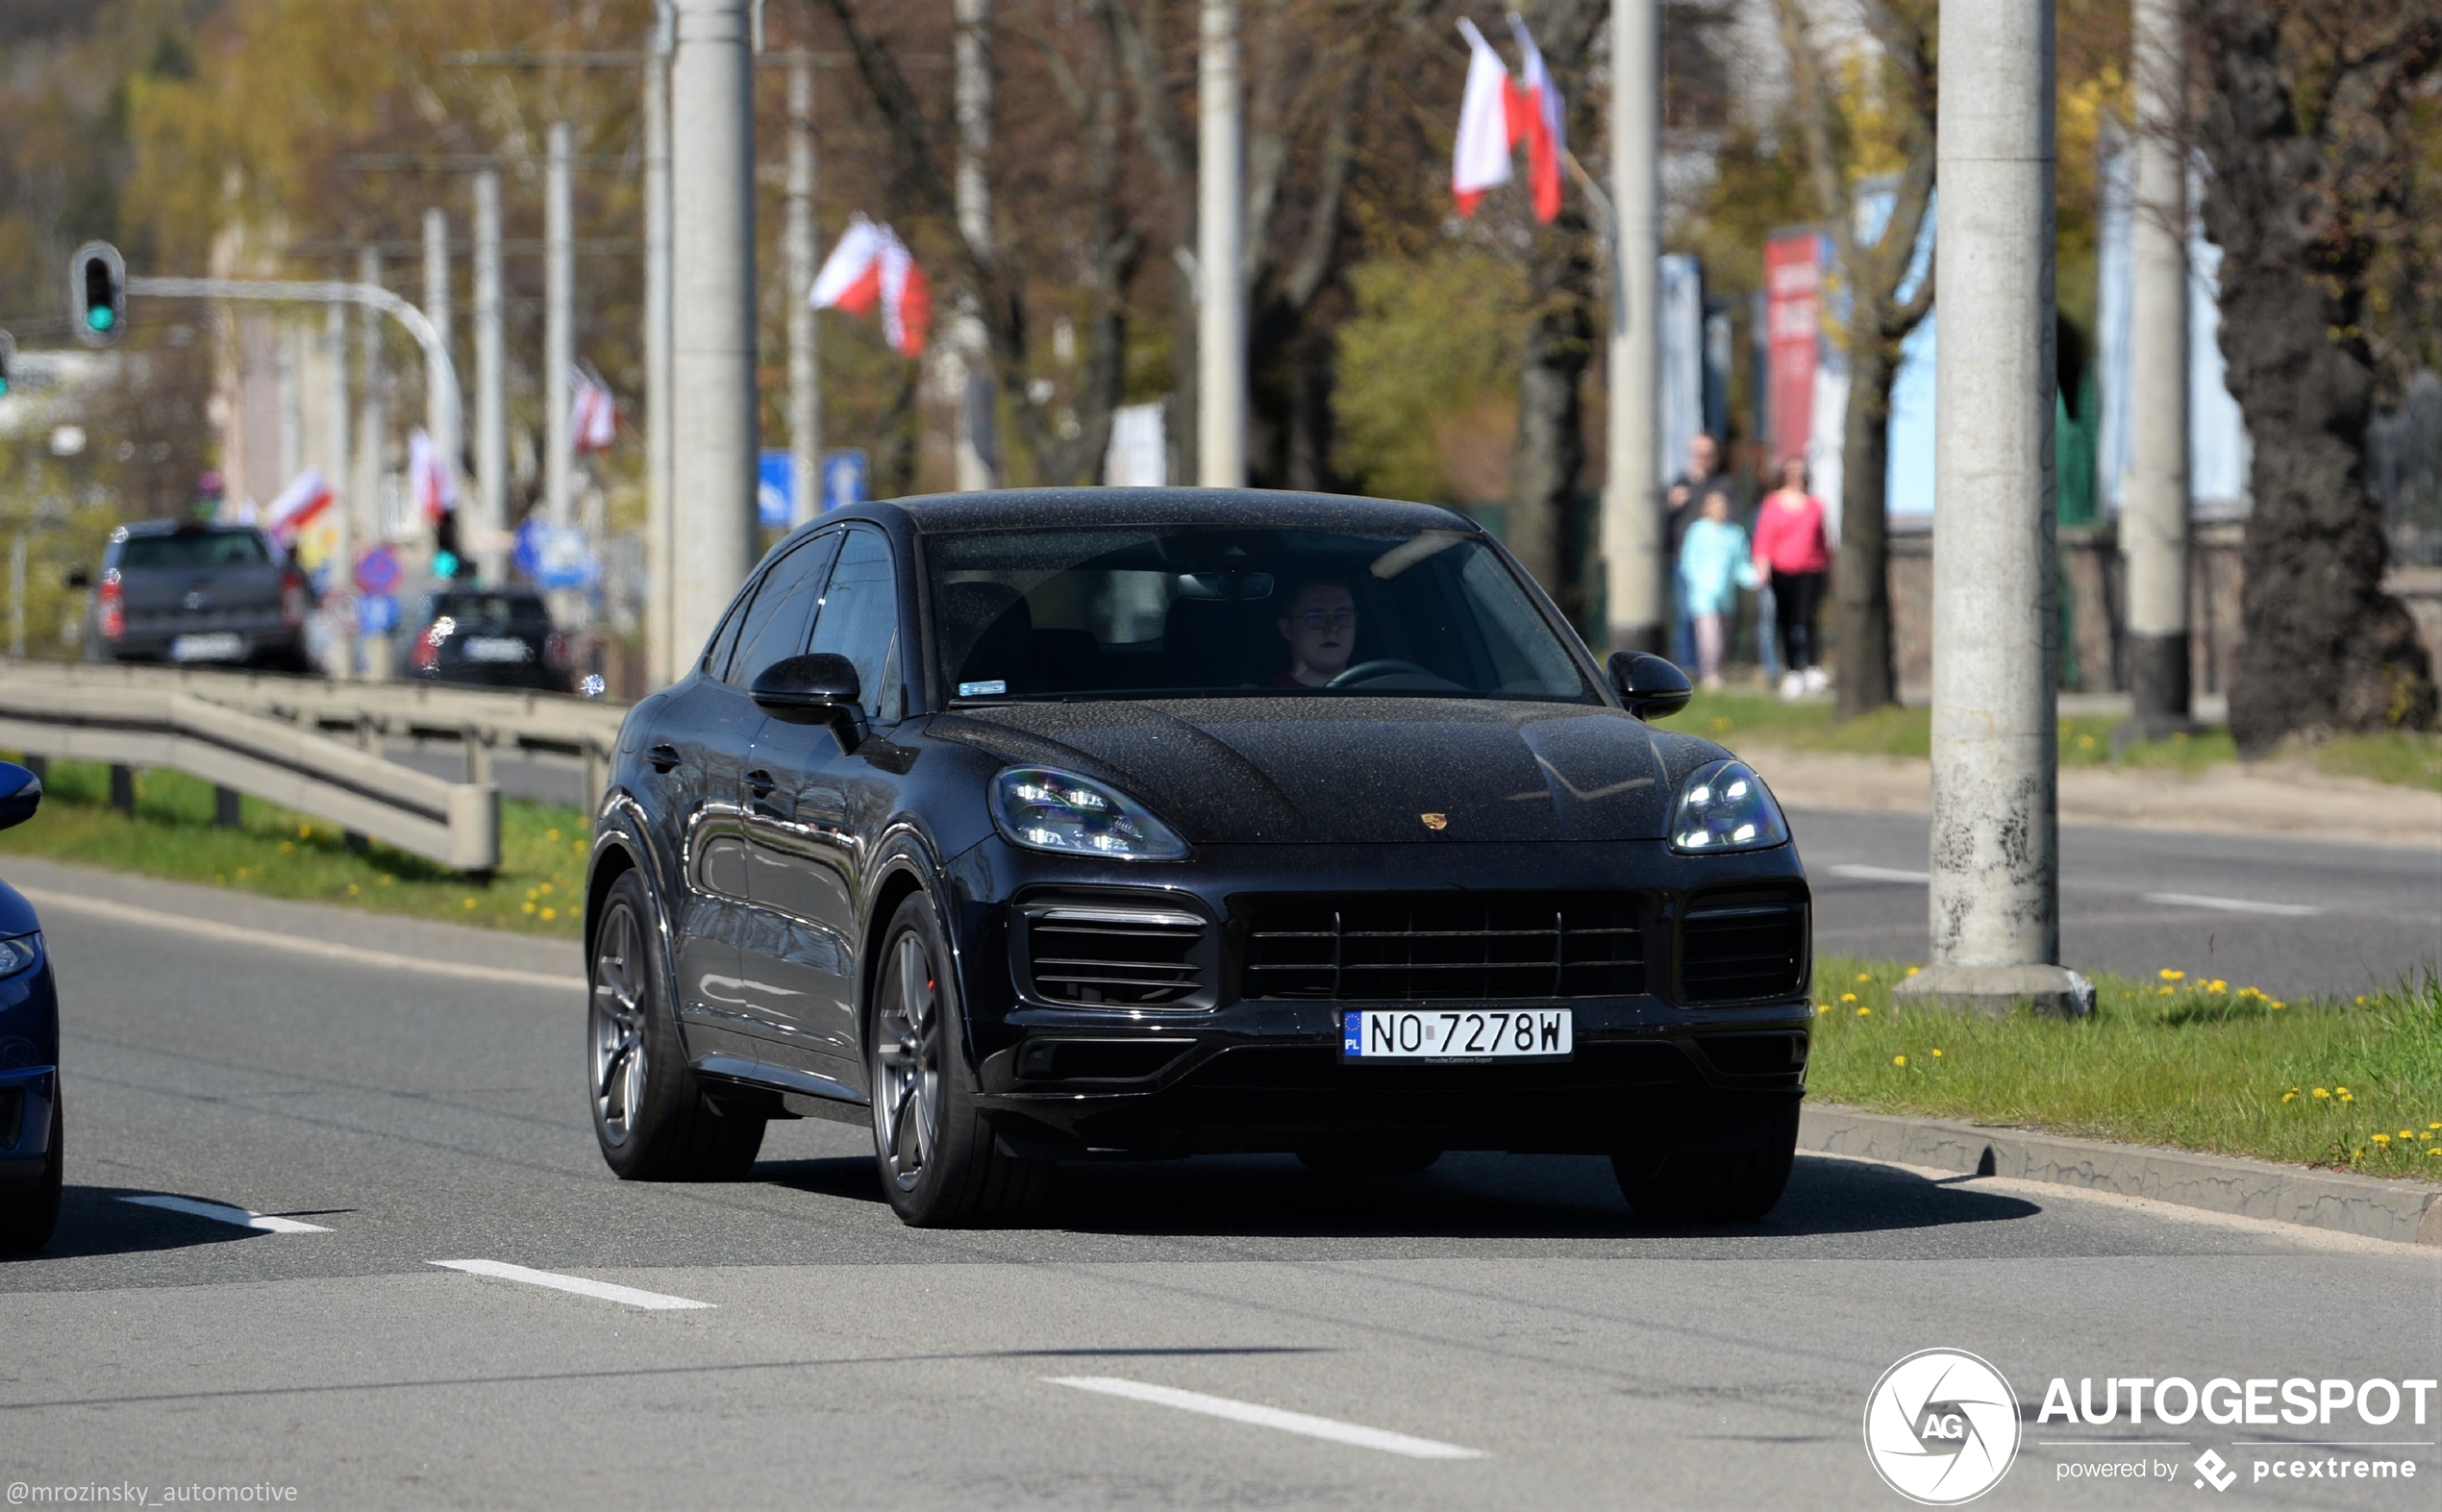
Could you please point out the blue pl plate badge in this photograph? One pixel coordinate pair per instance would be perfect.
(1352, 1034)
(983, 689)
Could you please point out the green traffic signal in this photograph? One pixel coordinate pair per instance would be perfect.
(444, 564)
(100, 318)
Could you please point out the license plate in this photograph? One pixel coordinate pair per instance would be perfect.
(223, 647)
(1457, 1035)
(497, 648)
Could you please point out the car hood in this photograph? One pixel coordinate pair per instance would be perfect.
(1251, 771)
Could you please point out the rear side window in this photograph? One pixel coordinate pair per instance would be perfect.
(189, 550)
(860, 620)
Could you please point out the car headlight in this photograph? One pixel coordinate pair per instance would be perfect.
(1725, 807)
(19, 954)
(1043, 809)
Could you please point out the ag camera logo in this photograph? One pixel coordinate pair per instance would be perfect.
(1941, 1428)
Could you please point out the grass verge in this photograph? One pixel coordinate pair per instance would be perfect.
(2408, 757)
(2350, 1084)
(280, 854)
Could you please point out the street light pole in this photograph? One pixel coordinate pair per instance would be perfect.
(559, 327)
(712, 313)
(2153, 508)
(798, 241)
(1633, 564)
(977, 454)
(440, 406)
(335, 344)
(1220, 278)
(660, 447)
(491, 401)
(1995, 896)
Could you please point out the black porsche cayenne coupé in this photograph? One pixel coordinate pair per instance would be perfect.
(1144, 823)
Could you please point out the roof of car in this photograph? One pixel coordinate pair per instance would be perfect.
(1253, 508)
(187, 526)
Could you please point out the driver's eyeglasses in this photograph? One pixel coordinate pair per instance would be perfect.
(1326, 619)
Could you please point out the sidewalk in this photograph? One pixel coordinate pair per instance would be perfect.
(2267, 798)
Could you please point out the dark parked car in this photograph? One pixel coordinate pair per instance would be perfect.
(176, 591)
(1031, 827)
(31, 1145)
(487, 637)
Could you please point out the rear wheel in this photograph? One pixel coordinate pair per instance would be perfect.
(650, 1112)
(1400, 1161)
(29, 1210)
(939, 1163)
(1739, 1184)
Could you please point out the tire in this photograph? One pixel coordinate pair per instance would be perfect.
(1740, 1184)
(650, 1113)
(936, 1153)
(29, 1210)
(1368, 1162)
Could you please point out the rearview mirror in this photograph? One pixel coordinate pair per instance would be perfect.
(20, 794)
(1649, 685)
(817, 688)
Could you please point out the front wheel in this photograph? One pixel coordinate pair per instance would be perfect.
(29, 1210)
(1737, 1184)
(650, 1114)
(939, 1163)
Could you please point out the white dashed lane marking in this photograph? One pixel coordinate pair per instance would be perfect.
(222, 1213)
(502, 1269)
(2286, 911)
(1263, 1417)
(1881, 874)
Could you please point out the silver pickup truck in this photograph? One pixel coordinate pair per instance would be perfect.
(174, 590)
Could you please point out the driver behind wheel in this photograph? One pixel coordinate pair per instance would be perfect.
(1320, 626)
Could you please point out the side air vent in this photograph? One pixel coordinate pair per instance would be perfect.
(1744, 949)
(1114, 955)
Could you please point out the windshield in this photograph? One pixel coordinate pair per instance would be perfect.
(193, 549)
(481, 612)
(1189, 610)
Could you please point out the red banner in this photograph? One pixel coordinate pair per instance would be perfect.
(1793, 289)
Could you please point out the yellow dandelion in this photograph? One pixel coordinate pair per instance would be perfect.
(546, 887)
(2086, 742)
(527, 907)
(353, 889)
(1898, 1061)
(304, 832)
(550, 915)
(2383, 1139)
(287, 847)
(2434, 1125)
(2168, 974)
(1848, 997)
(220, 879)
(388, 878)
(2362, 1001)
(1937, 1054)
(2347, 1097)
(1864, 1011)
(2343, 1091)
(2289, 1096)
(579, 848)
(2219, 986)
(2407, 1133)
(1865, 975)
(2434, 1152)
(2321, 1092)
(551, 835)
(1914, 970)
(1823, 1007)
(2277, 1006)
(244, 870)
(467, 902)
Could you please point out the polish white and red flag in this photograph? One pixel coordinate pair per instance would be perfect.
(593, 415)
(306, 498)
(871, 265)
(429, 479)
(1498, 115)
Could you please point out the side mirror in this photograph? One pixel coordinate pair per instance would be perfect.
(818, 688)
(20, 794)
(1650, 685)
(77, 577)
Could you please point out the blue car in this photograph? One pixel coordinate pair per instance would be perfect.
(30, 1126)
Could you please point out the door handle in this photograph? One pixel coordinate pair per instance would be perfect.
(760, 784)
(661, 758)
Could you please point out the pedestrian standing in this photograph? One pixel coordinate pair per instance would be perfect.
(1714, 562)
(1790, 548)
(1687, 498)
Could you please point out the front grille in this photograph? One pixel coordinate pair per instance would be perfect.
(1118, 955)
(1730, 951)
(1443, 947)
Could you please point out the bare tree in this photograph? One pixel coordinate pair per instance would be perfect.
(1878, 320)
(2310, 132)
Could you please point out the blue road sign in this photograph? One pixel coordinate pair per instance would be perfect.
(845, 475)
(775, 490)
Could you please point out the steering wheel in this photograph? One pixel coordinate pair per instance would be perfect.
(1365, 672)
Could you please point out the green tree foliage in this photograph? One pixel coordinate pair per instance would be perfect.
(1428, 365)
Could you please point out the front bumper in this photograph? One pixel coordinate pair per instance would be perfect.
(1648, 1072)
(27, 1097)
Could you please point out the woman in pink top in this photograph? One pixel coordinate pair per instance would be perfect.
(1792, 555)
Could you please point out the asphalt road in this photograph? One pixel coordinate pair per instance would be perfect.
(1507, 1306)
(2289, 916)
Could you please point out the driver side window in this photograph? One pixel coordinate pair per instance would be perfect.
(860, 620)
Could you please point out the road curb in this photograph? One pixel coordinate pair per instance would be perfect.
(2403, 1212)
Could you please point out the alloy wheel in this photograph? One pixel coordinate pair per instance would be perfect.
(616, 1025)
(907, 1083)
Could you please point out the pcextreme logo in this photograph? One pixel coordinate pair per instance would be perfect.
(1941, 1428)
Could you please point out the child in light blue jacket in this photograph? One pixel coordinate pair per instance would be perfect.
(1714, 562)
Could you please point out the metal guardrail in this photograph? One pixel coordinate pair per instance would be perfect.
(483, 721)
(456, 823)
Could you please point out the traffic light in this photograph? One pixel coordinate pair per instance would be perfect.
(8, 363)
(97, 294)
(447, 560)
